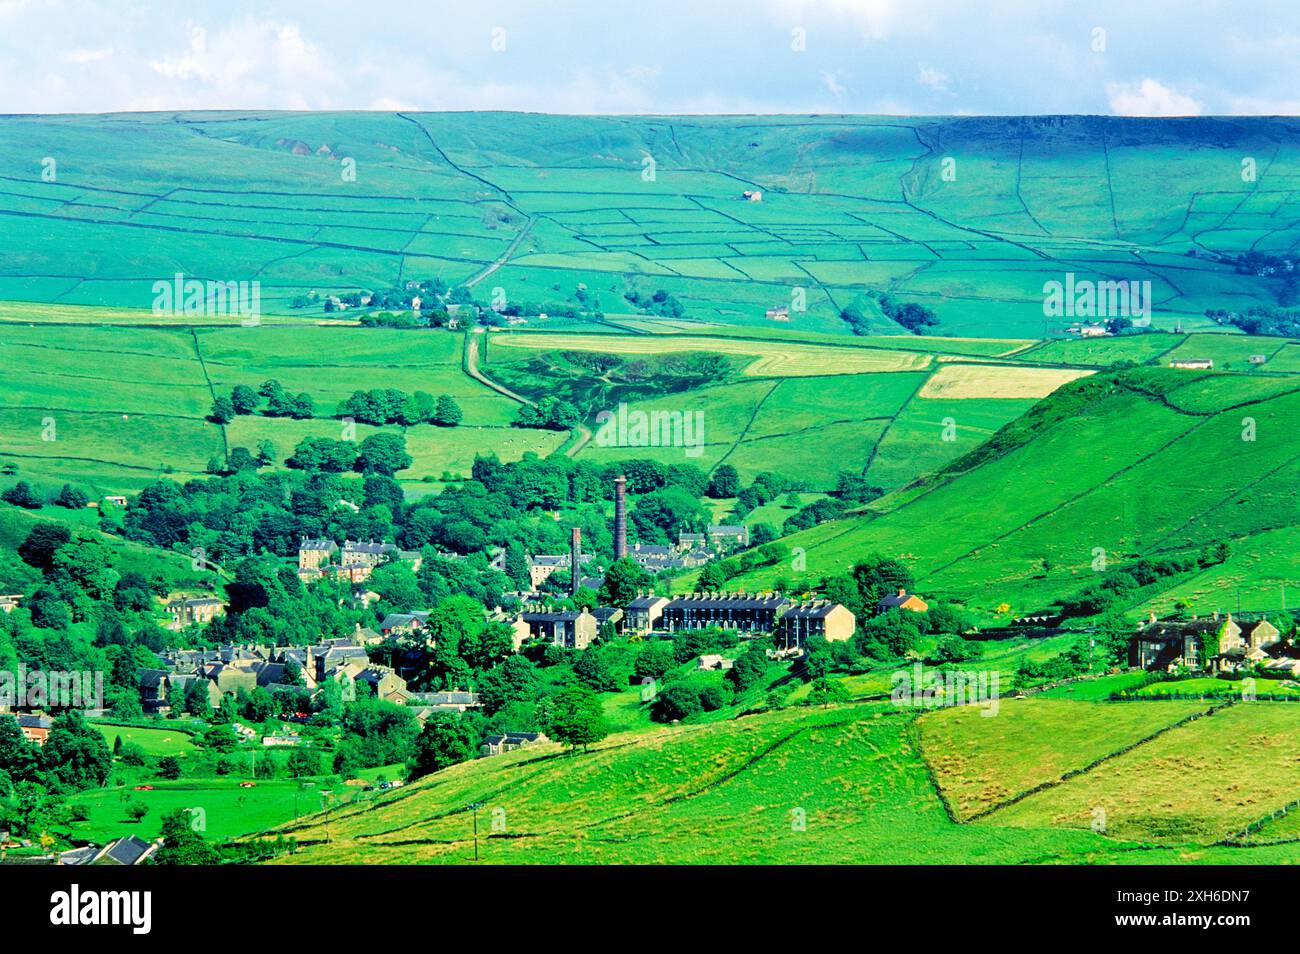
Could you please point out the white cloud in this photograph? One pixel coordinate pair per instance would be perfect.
(873, 19)
(252, 62)
(1150, 98)
(935, 79)
(84, 57)
(832, 82)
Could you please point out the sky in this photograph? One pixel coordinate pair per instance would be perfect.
(901, 57)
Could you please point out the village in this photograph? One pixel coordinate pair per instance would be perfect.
(389, 661)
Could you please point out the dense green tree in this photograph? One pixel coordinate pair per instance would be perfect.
(383, 453)
(77, 753)
(447, 413)
(41, 543)
(446, 740)
(74, 498)
(725, 482)
(243, 399)
(624, 579)
(22, 494)
(182, 845)
(223, 411)
(577, 718)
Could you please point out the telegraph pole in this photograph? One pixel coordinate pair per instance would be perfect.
(474, 807)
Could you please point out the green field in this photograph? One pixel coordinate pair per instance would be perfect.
(227, 810)
(805, 786)
(981, 531)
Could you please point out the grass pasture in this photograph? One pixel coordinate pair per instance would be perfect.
(1198, 783)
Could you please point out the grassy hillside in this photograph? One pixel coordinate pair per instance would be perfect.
(1154, 462)
(534, 204)
(804, 786)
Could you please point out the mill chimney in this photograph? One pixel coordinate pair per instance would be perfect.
(620, 517)
(575, 560)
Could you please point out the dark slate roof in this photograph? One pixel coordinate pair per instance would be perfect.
(603, 613)
(393, 620)
(645, 602)
(722, 601)
(512, 737)
(79, 856)
(558, 616)
(34, 722)
(152, 678)
(1248, 628)
(370, 546)
(269, 674)
(895, 599)
(817, 610)
(445, 698)
(318, 545)
(1177, 629)
(126, 851)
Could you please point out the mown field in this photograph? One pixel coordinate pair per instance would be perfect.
(840, 785)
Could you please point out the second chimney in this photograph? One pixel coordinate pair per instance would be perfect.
(575, 561)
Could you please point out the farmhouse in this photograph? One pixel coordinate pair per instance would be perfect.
(190, 612)
(710, 661)
(368, 554)
(313, 553)
(831, 621)
(779, 314)
(643, 613)
(128, 850)
(738, 611)
(455, 701)
(1257, 359)
(497, 744)
(541, 567)
(725, 536)
(902, 600)
(403, 624)
(568, 628)
(753, 195)
(35, 728)
(9, 603)
(155, 686)
(1193, 364)
(1213, 642)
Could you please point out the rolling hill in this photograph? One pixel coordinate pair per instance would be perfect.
(840, 785)
(969, 215)
(1152, 462)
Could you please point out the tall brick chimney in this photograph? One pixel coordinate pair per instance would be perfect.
(575, 560)
(620, 517)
